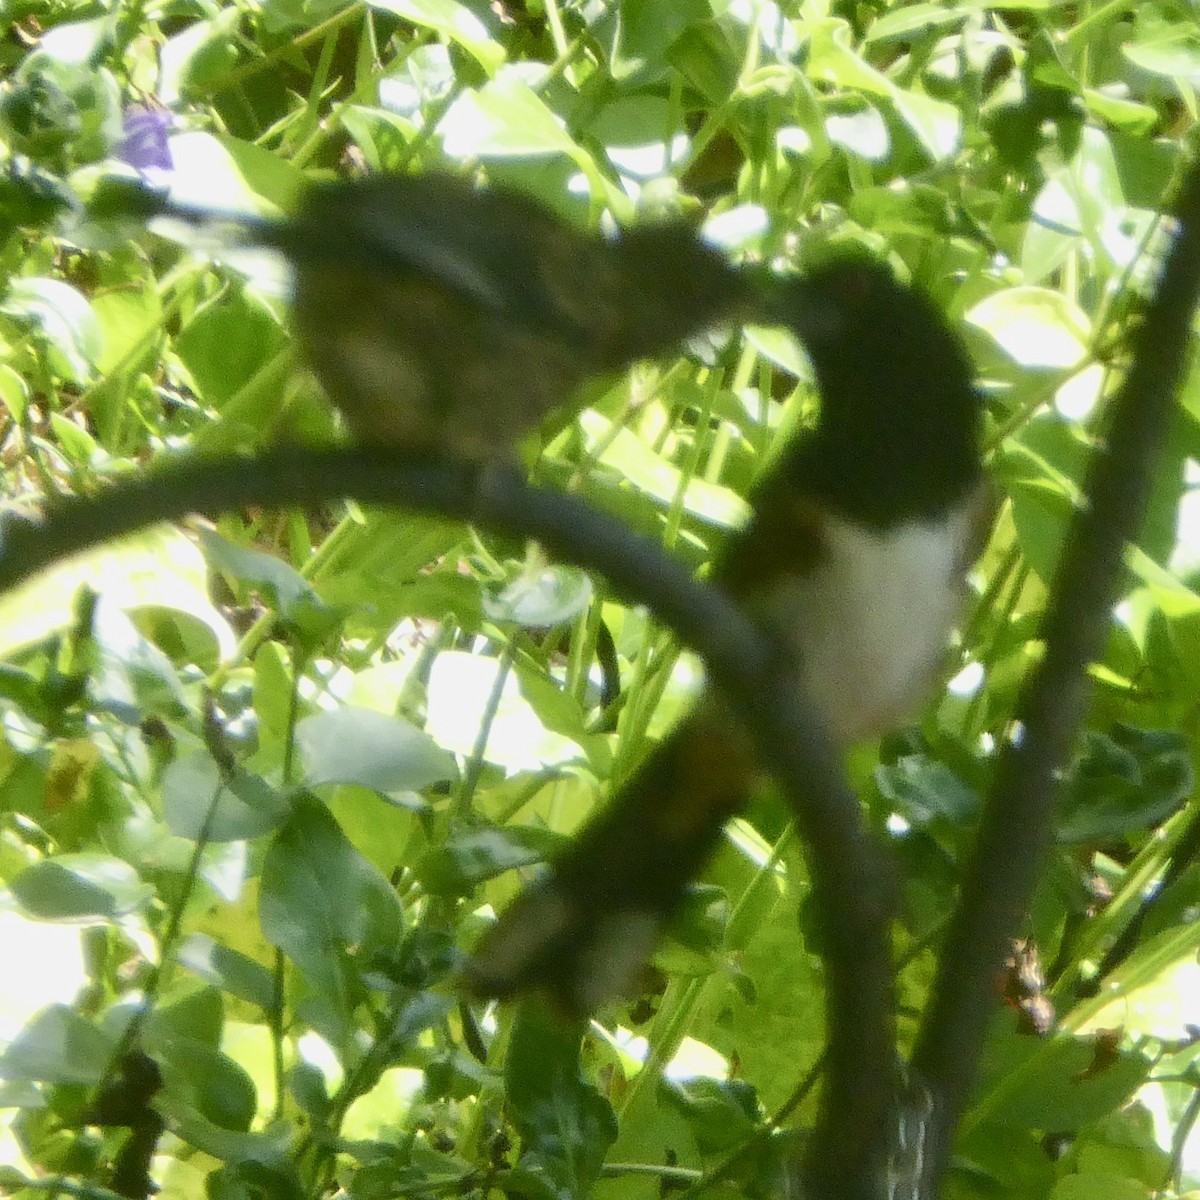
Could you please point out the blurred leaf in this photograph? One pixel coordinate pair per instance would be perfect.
(74, 887)
(1095, 1186)
(659, 478)
(159, 566)
(196, 59)
(225, 344)
(63, 319)
(1164, 47)
(134, 678)
(863, 133)
(566, 1126)
(1034, 326)
(1055, 1083)
(57, 1046)
(207, 1080)
(459, 688)
(720, 1113)
(200, 799)
(468, 857)
(455, 21)
(386, 754)
(226, 174)
(540, 598)
(924, 790)
(227, 969)
(506, 119)
(321, 904)
(1129, 780)
(299, 606)
(1153, 993)
(832, 59)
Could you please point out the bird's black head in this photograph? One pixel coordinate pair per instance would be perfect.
(899, 433)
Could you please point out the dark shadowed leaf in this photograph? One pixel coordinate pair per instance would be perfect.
(566, 1125)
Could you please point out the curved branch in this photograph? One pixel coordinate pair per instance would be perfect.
(1017, 824)
(852, 890)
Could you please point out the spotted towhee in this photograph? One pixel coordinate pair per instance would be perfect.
(855, 560)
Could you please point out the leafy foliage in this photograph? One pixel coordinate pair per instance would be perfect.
(250, 828)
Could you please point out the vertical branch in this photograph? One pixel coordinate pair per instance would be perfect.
(1017, 823)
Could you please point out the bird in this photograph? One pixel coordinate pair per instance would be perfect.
(444, 318)
(855, 560)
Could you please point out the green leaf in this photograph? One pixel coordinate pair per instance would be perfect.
(1095, 1186)
(1152, 994)
(134, 678)
(470, 856)
(781, 347)
(74, 887)
(196, 60)
(1170, 48)
(225, 344)
(158, 567)
(654, 475)
(382, 136)
(707, 58)
(1056, 1083)
(646, 29)
(902, 22)
(924, 790)
(506, 119)
(1129, 780)
(862, 132)
(770, 1016)
(14, 393)
(720, 1113)
(225, 174)
(566, 1126)
(62, 319)
(297, 602)
(57, 1046)
(936, 124)
(386, 754)
(205, 1079)
(832, 59)
(1126, 115)
(228, 969)
(322, 903)
(255, 1180)
(1034, 326)
(540, 598)
(460, 686)
(199, 799)
(454, 21)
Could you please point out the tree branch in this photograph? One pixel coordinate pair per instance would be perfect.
(1017, 823)
(852, 889)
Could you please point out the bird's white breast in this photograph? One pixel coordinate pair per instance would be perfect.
(871, 626)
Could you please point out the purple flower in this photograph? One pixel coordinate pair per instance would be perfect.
(144, 146)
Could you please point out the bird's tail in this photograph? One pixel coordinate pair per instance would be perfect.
(582, 934)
